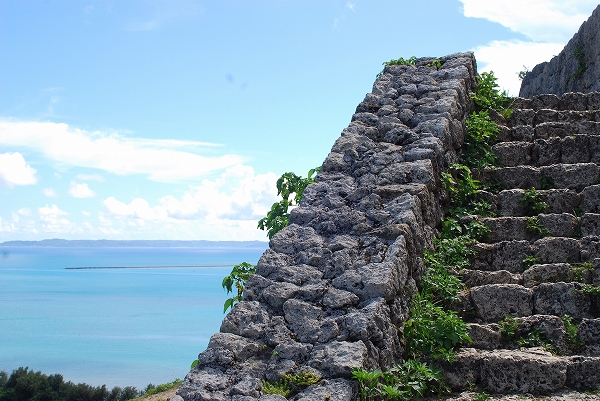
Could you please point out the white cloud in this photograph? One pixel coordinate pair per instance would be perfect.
(15, 171)
(50, 193)
(24, 211)
(52, 221)
(540, 20)
(90, 177)
(86, 213)
(234, 201)
(81, 190)
(507, 58)
(161, 160)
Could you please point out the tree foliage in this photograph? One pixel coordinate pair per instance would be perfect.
(291, 188)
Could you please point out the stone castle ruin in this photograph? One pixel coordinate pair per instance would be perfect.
(333, 290)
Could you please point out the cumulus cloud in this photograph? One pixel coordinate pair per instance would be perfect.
(15, 171)
(540, 20)
(52, 220)
(50, 193)
(81, 190)
(161, 160)
(507, 58)
(238, 197)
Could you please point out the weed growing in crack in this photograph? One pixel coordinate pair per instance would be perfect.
(535, 226)
(572, 333)
(533, 203)
(509, 327)
(529, 261)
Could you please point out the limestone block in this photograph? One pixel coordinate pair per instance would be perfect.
(547, 273)
(554, 129)
(509, 202)
(465, 369)
(249, 387)
(552, 327)
(524, 177)
(309, 322)
(485, 336)
(545, 101)
(561, 200)
(506, 255)
(590, 199)
(546, 151)
(240, 347)
(507, 229)
(590, 224)
(589, 331)
(573, 101)
(583, 373)
(512, 371)
(523, 117)
(511, 154)
(336, 389)
(560, 225)
(561, 299)
(575, 149)
(474, 278)
(557, 250)
(248, 319)
(574, 176)
(276, 294)
(545, 116)
(495, 301)
(294, 238)
(337, 358)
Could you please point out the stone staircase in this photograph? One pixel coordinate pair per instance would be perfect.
(535, 268)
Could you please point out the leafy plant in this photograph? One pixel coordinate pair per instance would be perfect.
(509, 328)
(547, 182)
(481, 397)
(401, 61)
(536, 338)
(413, 379)
(579, 55)
(432, 331)
(304, 378)
(572, 333)
(291, 188)
(523, 73)
(437, 63)
(237, 278)
(533, 203)
(487, 96)
(152, 389)
(480, 136)
(461, 185)
(280, 387)
(194, 364)
(529, 261)
(533, 224)
(589, 290)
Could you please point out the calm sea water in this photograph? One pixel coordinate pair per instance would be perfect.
(112, 326)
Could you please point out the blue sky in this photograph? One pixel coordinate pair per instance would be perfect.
(172, 119)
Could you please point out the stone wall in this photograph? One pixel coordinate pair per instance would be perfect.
(332, 291)
(562, 74)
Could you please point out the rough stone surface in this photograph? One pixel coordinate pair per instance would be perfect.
(333, 289)
(560, 75)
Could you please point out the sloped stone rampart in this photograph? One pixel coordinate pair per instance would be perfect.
(332, 290)
(575, 69)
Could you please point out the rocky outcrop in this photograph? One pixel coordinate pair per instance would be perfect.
(332, 291)
(575, 69)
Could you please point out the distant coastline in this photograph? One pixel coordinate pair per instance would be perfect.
(55, 242)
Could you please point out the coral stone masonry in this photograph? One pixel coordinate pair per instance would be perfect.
(332, 291)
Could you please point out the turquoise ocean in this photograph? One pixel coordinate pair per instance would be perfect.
(142, 321)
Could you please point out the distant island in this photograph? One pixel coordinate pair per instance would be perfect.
(103, 243)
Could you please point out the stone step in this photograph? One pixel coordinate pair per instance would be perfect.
(521, 371)
(475, 278)
(572, 176)
(559, 272)
(532, 228)
(511, 255)
(493, 302)
(509, 202)
(546, 152)
(537, 330)
(568, 124)
(568, 101)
